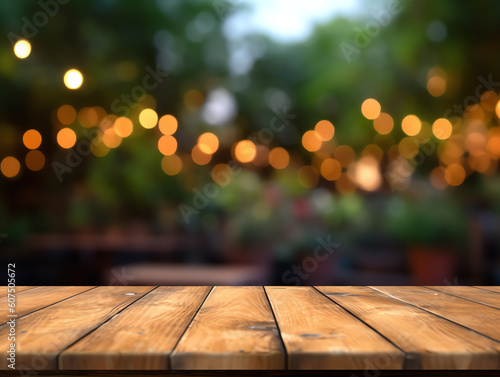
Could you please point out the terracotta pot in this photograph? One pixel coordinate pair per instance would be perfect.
(431, 265)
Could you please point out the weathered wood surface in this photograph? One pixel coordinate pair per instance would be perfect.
(140, 337)
(319, 334)
(234, 329)
(429, 341)
(253, 328)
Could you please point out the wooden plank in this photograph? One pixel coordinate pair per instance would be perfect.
(470, 293)
(42, 335)
(429, 341)
(319, 334)
(19, 289)
(234, 329)
(31, 300)
(140, 337)
(489, 288)
(478, 317)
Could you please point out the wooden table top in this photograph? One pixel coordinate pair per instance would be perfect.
(253, 327)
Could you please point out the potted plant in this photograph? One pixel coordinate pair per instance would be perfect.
(433, 230)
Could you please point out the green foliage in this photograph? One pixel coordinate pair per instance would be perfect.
(428, 221)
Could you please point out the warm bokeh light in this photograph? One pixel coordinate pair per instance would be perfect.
(167, 124)
(367, 174)
(442, 129)
(98, 148)
(199, 157)
(101, 113)
(383, 124)
(279, 158)
(480, 163)
(493, 167)
(307, 176)
(371, 109)
(111, 139)
(262, 157)
(437, 178)
(489, 100)
(311, 141)
(193, 99)
(318, 158)
(331, 169)
(344, 184)
(35, 160)
(408, 147)
(123, 126)
(474, 112)
(171, 165)
(22, 49)
(411, 125)
(88, 117)
(374, 151)
(222, 174)
(454, 174)
(108, 122)
(344, 154)
(245, 151)
(493, 143)
(167, 145)
(73, 79)
(476, 143)
(66, 138)
(10, 167)
(32, 139)
(393, 152)
(66, 114)
(436, 86)
(497, 109)
(451, 150)
(208, 143)
(324, 130)
(148, 118)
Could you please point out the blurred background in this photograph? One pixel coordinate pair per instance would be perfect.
(250, 142)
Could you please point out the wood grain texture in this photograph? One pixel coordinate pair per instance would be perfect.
(489, 288)
(234, 329)
(429, 341)
(318, 334)
(360, 329)
(31, 300)
(142, 336)
(19, 289)
(42, 335)
(478, 317)
(260, 373)
(470, 293)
